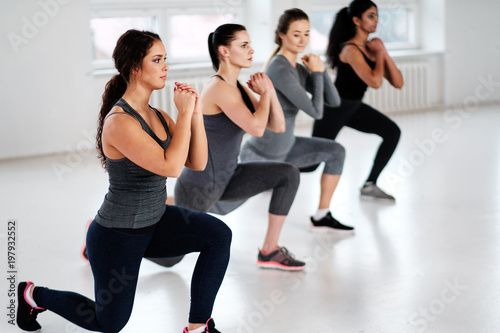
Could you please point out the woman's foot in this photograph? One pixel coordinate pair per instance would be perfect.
(280, 259)
(208, 328)
(329, 223)
(371, 191)
(26, 309)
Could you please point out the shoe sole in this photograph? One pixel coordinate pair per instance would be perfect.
(274, 265)
(313, 228)
(370, 198)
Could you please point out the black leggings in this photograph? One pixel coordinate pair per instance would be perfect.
(115, 257)
(364, 118)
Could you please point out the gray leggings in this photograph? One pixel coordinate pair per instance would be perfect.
(306, 154)
(248, 179)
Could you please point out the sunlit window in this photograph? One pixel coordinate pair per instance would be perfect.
(395, 27)
(187, 35)
(106, 31)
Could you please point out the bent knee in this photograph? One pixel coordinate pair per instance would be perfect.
(292, 174)
(392, 132)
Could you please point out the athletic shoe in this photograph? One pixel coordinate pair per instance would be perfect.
(280, 259)
(371, 191)
(329, 223)
(210, 327)
(26, 314)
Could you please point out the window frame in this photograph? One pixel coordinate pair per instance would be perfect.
(412, 44)
(162, 11)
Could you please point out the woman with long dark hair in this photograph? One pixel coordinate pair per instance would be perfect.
(140, 147)
(293, 82)
(229, 111)
(361, 63)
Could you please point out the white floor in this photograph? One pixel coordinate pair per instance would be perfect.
(429, 263)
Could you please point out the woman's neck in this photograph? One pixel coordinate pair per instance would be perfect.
(290, 56)
(229, 73)
(360, 38)
(137, 97)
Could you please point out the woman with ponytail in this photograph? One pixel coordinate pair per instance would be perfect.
(229, 111)
(293, 82)
(361, 63)
(140, 147)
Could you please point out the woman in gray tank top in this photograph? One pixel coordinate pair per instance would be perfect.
(140, 147)
(229, 111)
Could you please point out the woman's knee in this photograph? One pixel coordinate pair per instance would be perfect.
(217, 230)
(390, 131)
(291, 175)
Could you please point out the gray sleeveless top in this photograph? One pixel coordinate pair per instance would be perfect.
(224, 143)
(136, 197)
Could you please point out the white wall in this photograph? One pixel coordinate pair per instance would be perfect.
(50, 97)
(472, 57)
(46, 76)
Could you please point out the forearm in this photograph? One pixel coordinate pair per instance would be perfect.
(318, 96)
(261, 115)
(177, 152)
(392, 73)
(198, 147)
(378, 71)
(332, 97)
(276, 122)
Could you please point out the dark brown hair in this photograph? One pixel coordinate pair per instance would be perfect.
(222, 36)
(344, 28)
(130, 50)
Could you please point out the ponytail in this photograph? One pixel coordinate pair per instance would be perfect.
(213, 54)
(115, 89)
(344, 28)
(222, 36)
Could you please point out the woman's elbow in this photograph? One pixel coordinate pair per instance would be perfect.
(375, 84)
(281, 128)
(398, 85)
(199, 166)
(257, 132)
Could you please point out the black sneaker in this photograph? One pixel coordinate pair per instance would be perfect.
(210, 327)
(280, 259)
(329, 223)
(26, 314)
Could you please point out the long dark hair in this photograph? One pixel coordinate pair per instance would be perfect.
(130, 50)
(344, 28)
(287, 18)
(222, 36)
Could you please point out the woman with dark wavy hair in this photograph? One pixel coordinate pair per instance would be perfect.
(140, 146)
(361, 63)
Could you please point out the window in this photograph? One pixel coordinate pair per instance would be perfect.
(187, 35)
(105, 31)
(395, 27)
(184, 28)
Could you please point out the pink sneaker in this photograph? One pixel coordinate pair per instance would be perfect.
(210, 327)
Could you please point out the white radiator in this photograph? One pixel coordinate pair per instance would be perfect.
(414, 94)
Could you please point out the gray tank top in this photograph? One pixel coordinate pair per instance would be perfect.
(224, 143)
(136, 197)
